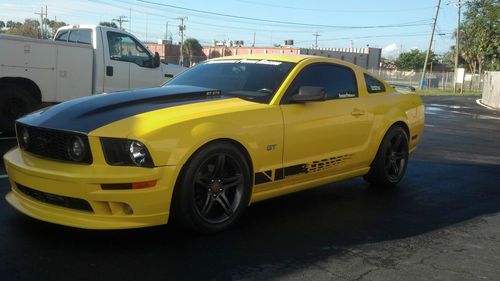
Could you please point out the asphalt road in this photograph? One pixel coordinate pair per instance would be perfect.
(443, 222)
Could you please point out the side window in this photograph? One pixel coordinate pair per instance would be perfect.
(85, 36)
(125, 48)
(338, 81)
(73, 36)
(373, 85)
(62, 36)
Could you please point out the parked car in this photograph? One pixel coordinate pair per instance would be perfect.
(80, 61)
(224, 134)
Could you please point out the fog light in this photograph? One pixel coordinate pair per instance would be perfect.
(76, 149)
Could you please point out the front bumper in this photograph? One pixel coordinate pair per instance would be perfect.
(52, 186)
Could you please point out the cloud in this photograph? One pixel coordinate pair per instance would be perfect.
(390, 50)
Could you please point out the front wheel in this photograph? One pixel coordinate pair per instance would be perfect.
(14, 103)
(391, 160)
(213, 190)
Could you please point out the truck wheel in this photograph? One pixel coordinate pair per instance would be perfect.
(214, 189)
(14, 103)
(391, 160)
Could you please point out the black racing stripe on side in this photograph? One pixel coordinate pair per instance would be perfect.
(263, 177)
(279, 174)
(296, 169)
(89, 113)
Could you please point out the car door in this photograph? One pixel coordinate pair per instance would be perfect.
(117, 62)
(324, 137)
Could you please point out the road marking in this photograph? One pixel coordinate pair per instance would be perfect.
(3, 176)
(8, 138)
(480, 102)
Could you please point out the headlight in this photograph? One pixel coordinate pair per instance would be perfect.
(124, 152)
(138, 152)
(24, 137)
(76, 149)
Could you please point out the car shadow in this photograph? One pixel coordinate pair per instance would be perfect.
(286, 233)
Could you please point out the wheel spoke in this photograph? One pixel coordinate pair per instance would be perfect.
(397, 143)
(201, 181)
(207, 206)
(232, 182)
(399, 156)
(219, 166)
(395, 167)
(224, 203)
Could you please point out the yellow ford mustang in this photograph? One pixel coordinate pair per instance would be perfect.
(222, 135)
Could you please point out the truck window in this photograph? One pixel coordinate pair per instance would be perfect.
(62, 36)
(125, 48)
(82, 36)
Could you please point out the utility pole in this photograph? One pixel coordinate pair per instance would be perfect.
(41, 21)
(182, 27)
(120, 20)
(253, 43)
(166, 30)
(457, 47)
(316, 34)
(430, 45)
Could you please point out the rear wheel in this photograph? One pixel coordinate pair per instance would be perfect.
(214, 189)
(391, 160)
(14, 103)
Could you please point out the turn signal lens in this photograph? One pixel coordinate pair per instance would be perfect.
(146, 184)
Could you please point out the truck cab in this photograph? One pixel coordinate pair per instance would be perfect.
(121, 61)
(80, 60)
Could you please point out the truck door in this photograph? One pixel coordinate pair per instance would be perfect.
(117, 61)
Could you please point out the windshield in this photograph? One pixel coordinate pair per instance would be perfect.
(256, 80)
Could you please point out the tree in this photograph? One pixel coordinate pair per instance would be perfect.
(54, 25)
(193, 50)
(12, 24)
(29, 28)
(108, 24)
(480, 35)
(2, 24)
(413, 60)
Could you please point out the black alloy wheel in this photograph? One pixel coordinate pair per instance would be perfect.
(213, 190)
(391, 160)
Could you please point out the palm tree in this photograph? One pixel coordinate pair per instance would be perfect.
(193, 50)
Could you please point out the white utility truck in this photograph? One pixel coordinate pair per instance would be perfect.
(81, 60)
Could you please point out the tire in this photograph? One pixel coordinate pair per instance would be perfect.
(390, 163)
(213, 190)
(14, 103)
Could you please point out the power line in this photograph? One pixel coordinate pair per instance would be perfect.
(331, 11)
(276, 21)
(120, 20)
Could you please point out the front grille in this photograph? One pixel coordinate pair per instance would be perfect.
(52, 144)
(53, 199)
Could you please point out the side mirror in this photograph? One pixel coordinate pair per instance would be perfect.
(309, 93)
(156, 61)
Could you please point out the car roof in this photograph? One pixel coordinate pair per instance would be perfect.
(283, 58)
(290, 58)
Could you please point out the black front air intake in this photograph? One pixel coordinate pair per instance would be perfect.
(52, 144)
(53, 199)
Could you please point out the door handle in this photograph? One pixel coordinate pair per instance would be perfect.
(357, 112)
(109, 71)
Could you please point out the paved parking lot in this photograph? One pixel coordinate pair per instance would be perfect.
(443, 222)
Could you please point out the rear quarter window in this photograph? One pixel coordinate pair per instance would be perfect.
(373, 85)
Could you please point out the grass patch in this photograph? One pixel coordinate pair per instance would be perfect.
(440, 92)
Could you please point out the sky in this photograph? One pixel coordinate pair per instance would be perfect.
(392, 25)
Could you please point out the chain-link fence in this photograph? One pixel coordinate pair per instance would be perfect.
(434, 80)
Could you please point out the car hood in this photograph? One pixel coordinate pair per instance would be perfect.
(89, 113)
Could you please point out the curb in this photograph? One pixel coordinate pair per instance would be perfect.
(478, 101)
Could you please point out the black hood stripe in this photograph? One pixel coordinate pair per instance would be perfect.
(89, 113)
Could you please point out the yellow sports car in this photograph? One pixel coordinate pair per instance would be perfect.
(224, 134)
